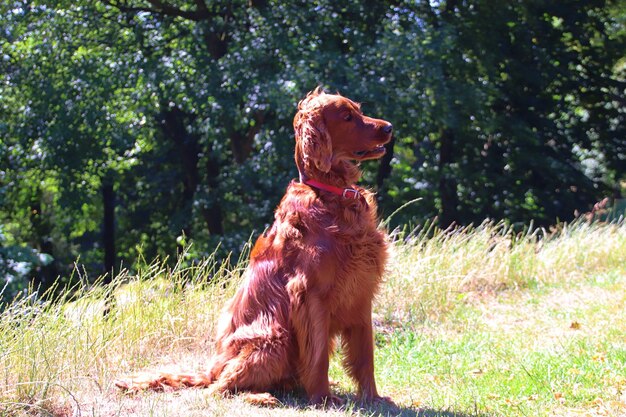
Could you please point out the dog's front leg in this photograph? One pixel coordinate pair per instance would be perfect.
(311, 325)
(358, 343)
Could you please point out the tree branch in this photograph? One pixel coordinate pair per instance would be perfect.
(159, 7)
(202, 7)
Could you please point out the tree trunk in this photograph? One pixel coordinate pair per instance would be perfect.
(187, 144)
(384, 168)
(447, 183)
(242, 143)
(213, 213)
(108, 227)
(42, 228)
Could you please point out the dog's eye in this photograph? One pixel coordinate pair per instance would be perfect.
(347, 117)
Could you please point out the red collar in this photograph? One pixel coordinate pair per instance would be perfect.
(349, 193)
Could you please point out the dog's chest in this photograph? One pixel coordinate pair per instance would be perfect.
(335, 245)
(359, 254)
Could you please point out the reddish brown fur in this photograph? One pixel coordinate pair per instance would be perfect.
(312, 275)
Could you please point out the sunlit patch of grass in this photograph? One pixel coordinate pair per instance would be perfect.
(518, 372)
(475, 322)
(51, 349)
(434, 270)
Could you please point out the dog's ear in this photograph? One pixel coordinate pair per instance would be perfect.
(313, 140)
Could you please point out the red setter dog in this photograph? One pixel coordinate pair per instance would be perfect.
(312, 275)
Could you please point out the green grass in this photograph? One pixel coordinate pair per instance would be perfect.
(479, 322)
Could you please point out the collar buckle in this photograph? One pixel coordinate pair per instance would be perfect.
(347, 193)
(350, 193)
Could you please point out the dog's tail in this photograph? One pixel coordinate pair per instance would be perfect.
(159, 381)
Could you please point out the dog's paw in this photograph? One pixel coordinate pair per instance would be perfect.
(264, 399)
(380, 400)
(327, 401)
(122, 384)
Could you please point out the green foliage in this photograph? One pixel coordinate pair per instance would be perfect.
(175, 117)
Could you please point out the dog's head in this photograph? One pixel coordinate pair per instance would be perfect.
(331, 129)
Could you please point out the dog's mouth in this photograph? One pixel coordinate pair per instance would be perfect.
(374, 153)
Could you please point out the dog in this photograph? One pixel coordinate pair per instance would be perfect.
(312, 275)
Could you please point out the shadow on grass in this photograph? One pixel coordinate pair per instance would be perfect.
(436, 413)
(354, 406)
(387, 410)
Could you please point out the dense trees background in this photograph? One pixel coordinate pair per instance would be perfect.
(129, 128)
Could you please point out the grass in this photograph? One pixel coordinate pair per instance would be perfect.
(477, 322)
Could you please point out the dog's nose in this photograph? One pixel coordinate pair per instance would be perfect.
(387, 129)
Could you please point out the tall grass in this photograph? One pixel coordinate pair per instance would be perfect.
(55, 352)
(433, 270)
(82, 340)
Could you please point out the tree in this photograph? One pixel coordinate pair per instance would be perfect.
(131, 127)
(506, 115)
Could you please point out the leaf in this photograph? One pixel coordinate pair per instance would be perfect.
(575, 325)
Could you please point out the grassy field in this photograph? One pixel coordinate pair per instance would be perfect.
(479, 322)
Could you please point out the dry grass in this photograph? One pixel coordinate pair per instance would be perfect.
(433, 271)
(57, 353)
(454, 321)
